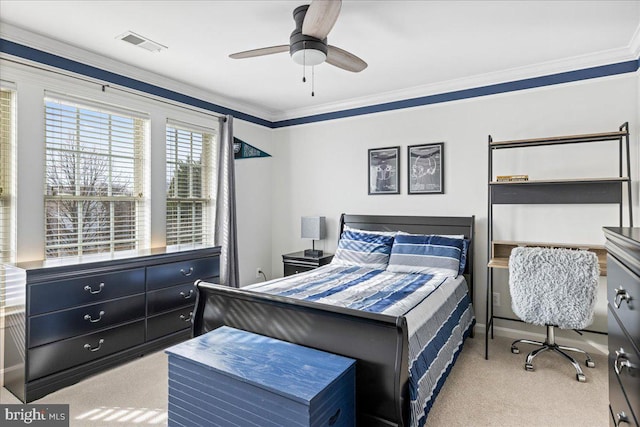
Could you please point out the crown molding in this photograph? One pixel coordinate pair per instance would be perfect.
(634, 44)
(613, 56)
(274, 118)
(36, 41)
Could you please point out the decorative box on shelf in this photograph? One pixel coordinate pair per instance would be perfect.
(233, 377)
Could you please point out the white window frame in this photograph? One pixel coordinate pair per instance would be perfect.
(196, 204)
(7, 171)
(111, 192)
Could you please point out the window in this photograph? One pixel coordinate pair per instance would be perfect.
(190, 207)
(7, 126)
(94, 201)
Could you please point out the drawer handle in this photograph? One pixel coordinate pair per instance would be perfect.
(187, 318)
(186, 273)
(621, 295)
(88, 317)
(622, 362)
(622, 418)
(186, 295)
(88, 346)
(91, 291)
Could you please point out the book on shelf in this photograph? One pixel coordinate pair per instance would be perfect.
(512, 178)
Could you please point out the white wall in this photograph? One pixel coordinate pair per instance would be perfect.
(322, 167)
(254, 185)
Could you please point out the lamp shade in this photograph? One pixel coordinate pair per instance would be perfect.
(312, 227)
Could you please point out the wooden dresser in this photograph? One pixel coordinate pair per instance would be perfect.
(623, 295)
(68, 319)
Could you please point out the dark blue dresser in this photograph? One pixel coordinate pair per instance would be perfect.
(232, 377)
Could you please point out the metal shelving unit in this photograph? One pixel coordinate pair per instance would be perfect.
(607, 190)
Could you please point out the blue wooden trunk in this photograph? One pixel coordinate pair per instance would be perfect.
(230, 377)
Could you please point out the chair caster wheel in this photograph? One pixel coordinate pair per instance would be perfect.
(581, 378)
(515, 350)
(528, 367)
(590, 363)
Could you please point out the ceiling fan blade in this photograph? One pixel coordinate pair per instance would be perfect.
(260, 52)
(345, 60)
(320, 18)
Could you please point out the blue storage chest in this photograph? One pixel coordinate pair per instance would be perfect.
(229, 377)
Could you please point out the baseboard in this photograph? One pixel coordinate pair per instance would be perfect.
(590, 342)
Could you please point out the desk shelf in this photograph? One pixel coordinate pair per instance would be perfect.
(586, 190)
(501, 250)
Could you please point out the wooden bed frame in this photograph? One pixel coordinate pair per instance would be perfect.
(378, 342)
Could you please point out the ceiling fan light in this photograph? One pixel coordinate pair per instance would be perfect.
(308, 57)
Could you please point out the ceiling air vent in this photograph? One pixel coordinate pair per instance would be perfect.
(140, 41)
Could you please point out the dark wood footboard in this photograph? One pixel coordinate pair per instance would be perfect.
(378, 342)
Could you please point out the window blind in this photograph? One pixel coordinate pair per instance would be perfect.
(190, 174)
(95, 178)
(7, 137)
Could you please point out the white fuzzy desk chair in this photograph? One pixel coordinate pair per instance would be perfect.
(555, 288)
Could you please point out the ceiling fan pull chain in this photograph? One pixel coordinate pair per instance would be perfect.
(304, 62)
(313, 80)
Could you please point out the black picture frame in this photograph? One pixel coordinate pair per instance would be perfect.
(384, 170)
(425, 168)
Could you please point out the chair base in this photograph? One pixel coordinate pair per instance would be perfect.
(550, 345)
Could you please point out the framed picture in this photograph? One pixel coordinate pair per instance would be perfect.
(426, 168)
(384, 169)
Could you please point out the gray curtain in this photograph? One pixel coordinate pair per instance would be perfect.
(225, 234)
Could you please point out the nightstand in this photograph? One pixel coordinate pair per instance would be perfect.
(297, 262)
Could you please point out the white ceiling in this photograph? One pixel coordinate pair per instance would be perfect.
(413, 48)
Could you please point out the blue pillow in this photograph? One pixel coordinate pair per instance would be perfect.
(426, 254)
(363, 249)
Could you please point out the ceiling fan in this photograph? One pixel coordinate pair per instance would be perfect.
(308, 41)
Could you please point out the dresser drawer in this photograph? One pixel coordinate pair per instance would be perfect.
(176, 273)
(624, 359)
(51, 327)
(628, 310)
(170, 298)
(61, 355)
(291, 269)
(168, 323)
(61, 294)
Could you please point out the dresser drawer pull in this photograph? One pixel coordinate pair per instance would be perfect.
(187, 318)
(88, 317)
(622, 418)
(186, 295)
(91, 291)
(621, 295)
(622, 362)
(186, 273)
(88, 346)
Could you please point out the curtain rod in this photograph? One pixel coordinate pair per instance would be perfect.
(119, 88)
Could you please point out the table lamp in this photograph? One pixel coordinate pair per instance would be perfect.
(312, 227)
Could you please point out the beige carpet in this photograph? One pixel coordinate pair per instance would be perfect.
(497, 392)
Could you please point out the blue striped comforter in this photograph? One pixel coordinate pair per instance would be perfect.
(437, 308)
